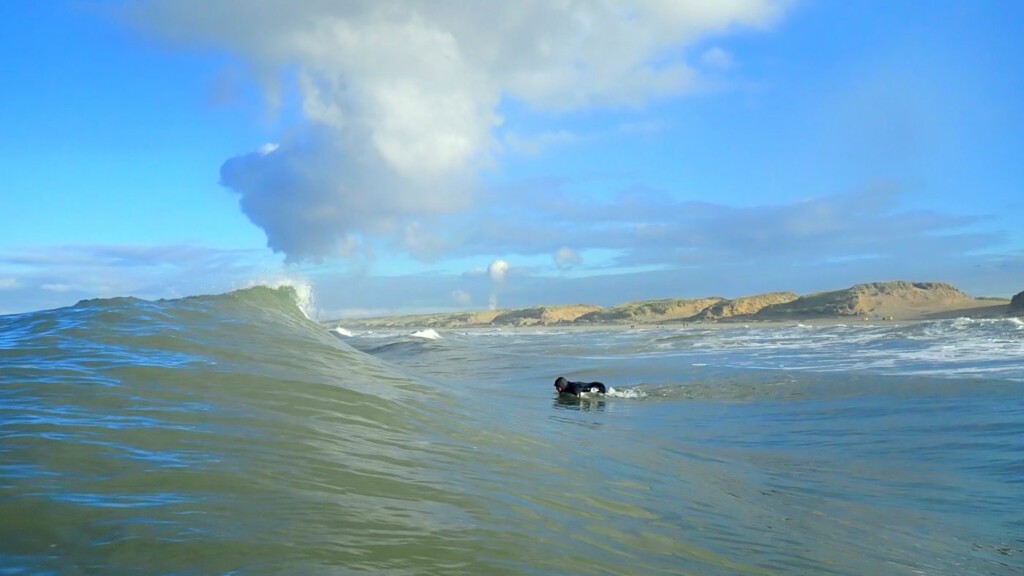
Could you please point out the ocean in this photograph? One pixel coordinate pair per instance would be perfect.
(230, 434)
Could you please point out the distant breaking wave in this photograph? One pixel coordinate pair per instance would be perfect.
(428, 334)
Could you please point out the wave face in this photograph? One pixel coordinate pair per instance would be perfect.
(212, 433)
(231, 434)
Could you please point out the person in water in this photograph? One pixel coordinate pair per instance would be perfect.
(575, 388)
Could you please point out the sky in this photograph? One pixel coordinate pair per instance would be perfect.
(406, 156)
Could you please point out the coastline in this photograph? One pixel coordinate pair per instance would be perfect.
(892, 313)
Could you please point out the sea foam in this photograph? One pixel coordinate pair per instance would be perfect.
(633, 392)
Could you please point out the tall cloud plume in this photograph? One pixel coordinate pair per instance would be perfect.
(399, 99)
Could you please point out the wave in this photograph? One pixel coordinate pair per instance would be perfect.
(190, 411)
(230, 433)
(344, 332)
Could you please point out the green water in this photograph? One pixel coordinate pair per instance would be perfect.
(231, 435)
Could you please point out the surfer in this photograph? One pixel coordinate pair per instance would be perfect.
(575, 388)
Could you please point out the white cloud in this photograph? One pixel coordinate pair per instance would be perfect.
(8, 283)
(311, 201)
(267, 148)
(400, 98)
(497, 270)
(565, 258)
(643, 228)
(462, 297)
(716, 58)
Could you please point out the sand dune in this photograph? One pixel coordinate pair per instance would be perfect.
(898, 299)
(648, 311)
(745, 306)
(544, 315)
(894, 300)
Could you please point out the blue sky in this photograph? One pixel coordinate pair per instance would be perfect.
(408, 156)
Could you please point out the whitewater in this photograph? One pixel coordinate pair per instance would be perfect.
(231, 434)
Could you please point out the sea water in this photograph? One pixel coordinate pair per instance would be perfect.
(232, 435)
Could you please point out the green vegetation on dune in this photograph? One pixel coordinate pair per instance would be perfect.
(745, 306)
(664, 310)
(885, 298)
(545, 315)
(1017, 303)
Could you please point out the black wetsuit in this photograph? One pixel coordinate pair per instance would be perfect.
(575, 388)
